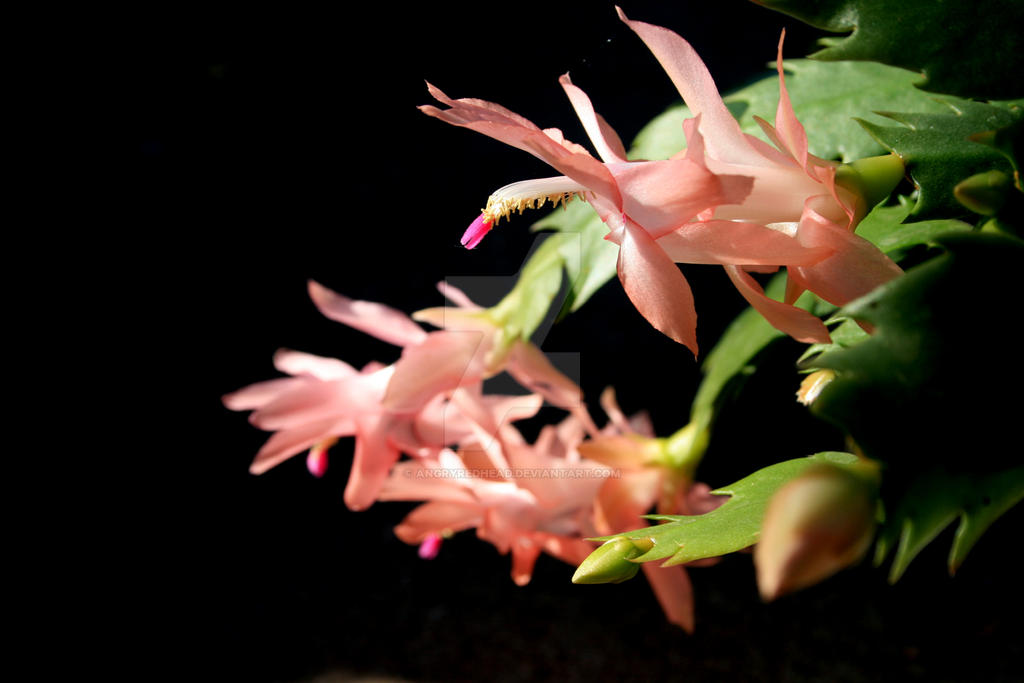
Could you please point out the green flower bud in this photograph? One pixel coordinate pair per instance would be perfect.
(984, 193)
(610, 563)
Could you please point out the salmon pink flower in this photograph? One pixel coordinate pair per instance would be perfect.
(793, 192)
(524, 499)
(728, 199)
(646, 478)
(637, 200)
(325, 398)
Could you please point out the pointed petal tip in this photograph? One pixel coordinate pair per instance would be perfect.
(356, 505)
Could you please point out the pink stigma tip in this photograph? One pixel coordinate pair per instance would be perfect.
(476, 231)
(316, 461)
(430, 546)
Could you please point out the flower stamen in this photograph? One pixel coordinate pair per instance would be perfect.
(516, 198)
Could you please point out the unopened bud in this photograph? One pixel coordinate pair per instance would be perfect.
(815, 525)
(610, 563)
(984, 193)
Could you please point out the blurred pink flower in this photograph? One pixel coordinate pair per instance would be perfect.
(522, 498)
(325, 398)
(643, 481)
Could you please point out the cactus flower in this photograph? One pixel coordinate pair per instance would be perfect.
(728, 199)
(403, 407)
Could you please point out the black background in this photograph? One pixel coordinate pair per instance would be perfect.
(270, 146)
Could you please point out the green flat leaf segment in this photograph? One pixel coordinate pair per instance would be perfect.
(589, 261)
(884, 227)
(937, 151)
(926, 394)
(523, 309)
(937, 497)
(825, 96)
(921, 370)
(735, 525)
(747, 335)
(968, 49)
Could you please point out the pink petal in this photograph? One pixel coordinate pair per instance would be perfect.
(564, 485)
(605, 140)
(307, 402)
(315, 400)
(299, 363)
(456, 296)
(616, 450)
(695, 148)
(611, 408)
(778, 195)
(663, 195)
(503, 125)
(700, 500)
(737, 243)
(639, 423)
(438, 424)
(794, 321)
(524, 557)
(259, 394)
(371, 462)
(287, 443)
(532, 369)
(570, 550)
(790, 130)
(642, 424)
(856, 267)
(656, 287)
(442, 362)
(372, 318)
(439, 518)
(672, 587)
(622, 499)
(485, 447)
(683, 65)
(508, 409)
(415, 480)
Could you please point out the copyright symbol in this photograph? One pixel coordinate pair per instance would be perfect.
(406, 472)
